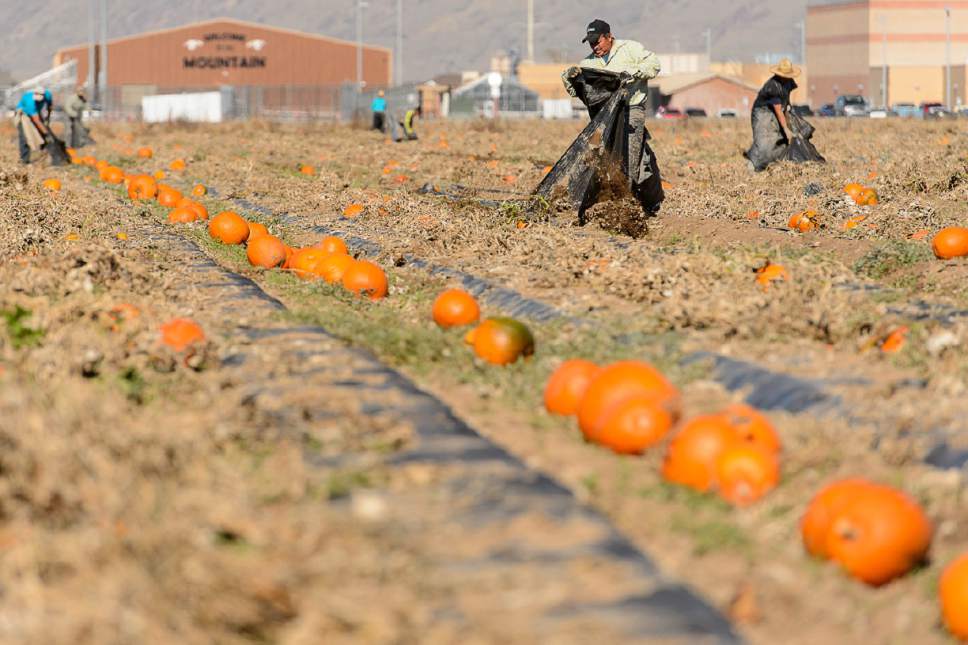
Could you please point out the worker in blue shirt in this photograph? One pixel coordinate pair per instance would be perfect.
(33, 121)
(379, 108)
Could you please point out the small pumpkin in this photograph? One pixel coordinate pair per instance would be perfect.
(169, 197)
(769, 273)
(307, 170)
(229, 228)
(266, 251)
(303, 263)
(142, 187)
(159, 175)
(634, 425)
(113, 175)
(53, 185)
(567, 386)
(181, 333)
(745, 472)
(352, 210)
(364, 278)
(187, 202)
(333, 267)
(804, 222)
(455, 308)
(951, 242)
(501, 341)
(257, 230)
(853, 189)
(182, 215)
(332, 244)
(199, 190)
(953, 593)
(145, 152)
(752, 427)
(692, 454)
(867, 197)
(177, 164)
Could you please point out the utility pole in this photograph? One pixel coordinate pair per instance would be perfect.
(947, 57)
(104, 54)
(802, 26)
(92, 42)
(530, 38)
(709, 45)
(884, 61)
(399, 42)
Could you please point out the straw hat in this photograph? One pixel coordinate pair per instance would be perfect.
(785, 69)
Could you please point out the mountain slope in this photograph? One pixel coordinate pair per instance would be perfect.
(440, 35)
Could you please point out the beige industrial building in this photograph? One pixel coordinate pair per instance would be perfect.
(852, 47)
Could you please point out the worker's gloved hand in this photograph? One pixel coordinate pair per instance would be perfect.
(573, 72)
(626, 78)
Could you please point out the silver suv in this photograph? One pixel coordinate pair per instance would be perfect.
(851, 105)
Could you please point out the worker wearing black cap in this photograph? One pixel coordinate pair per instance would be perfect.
(638, 65)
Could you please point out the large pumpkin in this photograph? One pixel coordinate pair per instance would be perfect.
(142, 187)
(953, 592)
(951, 243)
(228, 228)
(455, 308)
(634, 425)
(692, 454)
(501, 341)
(823, 509)
(619, 382)
(567, 386)
(266, 251)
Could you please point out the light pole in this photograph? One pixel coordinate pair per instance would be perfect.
(104, 54)
(399, 42)
(92, 35)
(360, 4)
(530, 35)
(709, 45)
(947, 56)
(802, 26)
(884, 61)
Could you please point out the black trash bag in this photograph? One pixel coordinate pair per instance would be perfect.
(57, 150)
(601, 146)
(800, 148)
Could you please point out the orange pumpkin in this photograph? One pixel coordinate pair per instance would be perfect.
(567, 386)
(101, 164)
(364, 278)
(307, 170)
(634, 425)
(501, 341)
(752, 427)
(181, 333)
(853, 189)
(112, 175)
(177, 164)
(145, 152)
(867, 197)
(953, 592)
(256, 230)
(199, 190)
(266, 251)
(951, 242)
(303, 262)
(694, 451)
(770, 273)
(455, 308)
(52, 185)
(159, 175)
(880, 535)
(745, 473)
(169, 197)
(333, 267)
(822, 511)
(804, 222)
(187, 202)
(618, 382)
(352, 210)
(142, 187)
(332, 244)
(182, 215)
(228, 228)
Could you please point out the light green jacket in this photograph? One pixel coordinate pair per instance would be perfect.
(626, 56)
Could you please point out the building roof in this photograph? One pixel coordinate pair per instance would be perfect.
(242, 23)
(679, 82)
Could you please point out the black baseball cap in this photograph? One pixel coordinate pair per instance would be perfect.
(596, 29)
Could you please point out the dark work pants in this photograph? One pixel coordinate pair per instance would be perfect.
(22, 142)
(644, 174)
(378, 118)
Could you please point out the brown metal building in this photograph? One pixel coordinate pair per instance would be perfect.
(228, 52)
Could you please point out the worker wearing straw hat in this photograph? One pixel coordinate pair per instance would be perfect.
(770, 140)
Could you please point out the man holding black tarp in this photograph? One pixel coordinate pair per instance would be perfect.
(637, 65)
(32, 118)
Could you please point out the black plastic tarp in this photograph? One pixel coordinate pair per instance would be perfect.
(801, 149)
(603, 142)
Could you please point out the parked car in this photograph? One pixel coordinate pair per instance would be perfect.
(827, 109)
(935, 111)
(881, 113)
(669, 113)
(906, 110)
(697, 112)
(727, 113)
(802, 110)
(850, 105)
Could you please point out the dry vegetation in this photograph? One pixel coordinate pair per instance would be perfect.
(150, 500)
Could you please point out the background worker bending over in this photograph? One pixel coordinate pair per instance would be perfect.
(638, 65)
